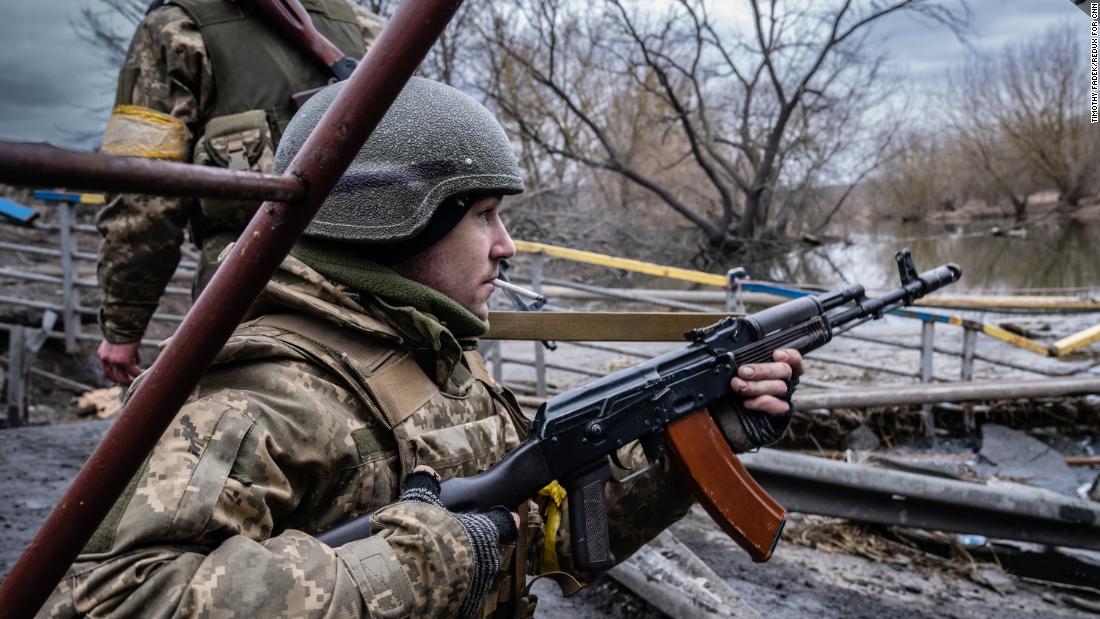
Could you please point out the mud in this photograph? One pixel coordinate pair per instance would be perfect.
(805, 582)
(37, 463)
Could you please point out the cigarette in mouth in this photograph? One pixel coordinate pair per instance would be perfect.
(530, 294)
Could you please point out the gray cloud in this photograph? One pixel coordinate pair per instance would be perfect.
(54, 87)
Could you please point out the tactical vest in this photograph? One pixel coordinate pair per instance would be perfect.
(459, 430)
(254, 68)
(255, 73)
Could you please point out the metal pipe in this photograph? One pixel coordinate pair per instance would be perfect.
(871, 367)
(45, 251)
(335, 141)
(611, 349)
(951, 392)
(86, 311)
(55, 227)
(70, 298)
(84, 337)
(625, 295)
(979, 356)
(814, 485)
(554, 366)
(30, 277)
(927, 343)
(48, 166)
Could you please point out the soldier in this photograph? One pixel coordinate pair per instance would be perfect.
(359, 369)
(205, 81)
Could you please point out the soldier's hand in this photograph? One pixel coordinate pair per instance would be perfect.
(119, 362)
(485, 530)
(766, 387)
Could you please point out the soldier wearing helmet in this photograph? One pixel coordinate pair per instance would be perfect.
(357, 387)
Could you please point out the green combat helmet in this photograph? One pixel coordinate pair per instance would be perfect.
(434, 143)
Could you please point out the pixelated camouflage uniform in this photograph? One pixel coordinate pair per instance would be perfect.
(312, 414)
(168, 78)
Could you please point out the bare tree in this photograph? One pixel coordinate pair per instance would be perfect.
(1023, 111)
(106, 35)
(1003, 171)
(735, 129)
(915, 177)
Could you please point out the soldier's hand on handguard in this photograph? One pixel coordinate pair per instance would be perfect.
(767, 387)
(486, 532)
(763, 391)
(119, 362)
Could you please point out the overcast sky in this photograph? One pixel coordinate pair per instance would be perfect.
(55, 88)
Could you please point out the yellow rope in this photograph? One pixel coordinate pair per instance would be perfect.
(556, 493)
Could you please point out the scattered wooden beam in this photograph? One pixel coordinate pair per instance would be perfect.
(668, 575)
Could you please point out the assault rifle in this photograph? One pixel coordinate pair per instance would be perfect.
(293, 23)
(663, 403)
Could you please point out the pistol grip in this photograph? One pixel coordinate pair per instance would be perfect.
(588, 530)
(722, 485)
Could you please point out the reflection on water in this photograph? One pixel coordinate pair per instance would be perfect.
(1063, 255)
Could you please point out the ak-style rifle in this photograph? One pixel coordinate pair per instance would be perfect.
(664, 404)
(291, 20)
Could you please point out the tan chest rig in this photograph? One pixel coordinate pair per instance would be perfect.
(458, 430)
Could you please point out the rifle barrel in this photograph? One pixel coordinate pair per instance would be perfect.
(43, 165)
(925, 283)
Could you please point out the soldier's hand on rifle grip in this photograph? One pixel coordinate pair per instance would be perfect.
(766, 387)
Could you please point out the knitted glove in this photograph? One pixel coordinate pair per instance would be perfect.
(486, 531)
(747, 430)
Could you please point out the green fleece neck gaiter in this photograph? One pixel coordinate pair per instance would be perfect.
(344, 265)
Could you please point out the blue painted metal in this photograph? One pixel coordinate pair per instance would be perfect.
(57, 196)
(16, 211)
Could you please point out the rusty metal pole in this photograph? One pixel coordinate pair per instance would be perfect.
(42, 165)
(325, 156)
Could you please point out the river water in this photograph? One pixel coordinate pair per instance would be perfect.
(1063, 256)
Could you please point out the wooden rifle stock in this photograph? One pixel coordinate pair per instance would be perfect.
(720, 482)
(290, 18)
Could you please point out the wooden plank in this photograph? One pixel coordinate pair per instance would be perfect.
(1017, 340)
(670, 576)
(1078, 340)
(598, 326)
(1012, 302)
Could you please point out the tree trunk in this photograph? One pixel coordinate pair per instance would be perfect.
(754, 208)
(1019, 208)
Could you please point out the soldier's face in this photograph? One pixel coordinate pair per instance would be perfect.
(463, 264)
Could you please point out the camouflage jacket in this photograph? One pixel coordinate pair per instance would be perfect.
(168, 79)
(311, 415)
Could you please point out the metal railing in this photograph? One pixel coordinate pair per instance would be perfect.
(737, 291)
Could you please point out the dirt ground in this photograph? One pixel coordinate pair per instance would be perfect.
(37, 463)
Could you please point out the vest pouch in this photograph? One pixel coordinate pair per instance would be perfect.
(464, 449)
(237, 142)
